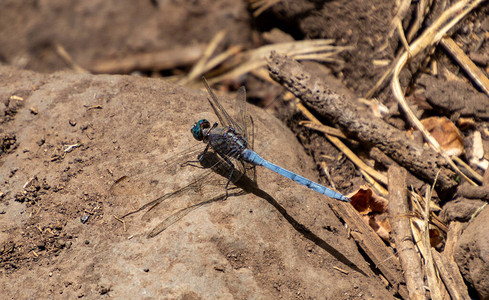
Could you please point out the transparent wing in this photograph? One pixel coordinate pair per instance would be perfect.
(191, 187)
(248, 128)
(251, 169)
(208, 184)
(208, 189)
(242, 114)
(245, 126)
(159, 178)
(220, 112)
(148, 179)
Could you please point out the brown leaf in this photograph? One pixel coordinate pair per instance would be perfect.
(446, 134)
(373, 209)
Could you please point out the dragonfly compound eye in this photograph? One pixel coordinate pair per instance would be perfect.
(198, 128)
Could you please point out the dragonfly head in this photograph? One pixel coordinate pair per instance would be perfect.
(199, 129)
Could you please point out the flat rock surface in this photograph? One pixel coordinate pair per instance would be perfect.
(287, 245)
(472, 256)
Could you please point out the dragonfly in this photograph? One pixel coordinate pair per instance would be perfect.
(229, 152)
(227, 142)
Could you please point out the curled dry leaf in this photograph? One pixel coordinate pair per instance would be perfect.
(446, 134)
(437, 236)
(373, 209)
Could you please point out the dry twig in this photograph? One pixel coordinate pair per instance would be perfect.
(466, 63)
(451, 277)
(372, 245)
(401, 230)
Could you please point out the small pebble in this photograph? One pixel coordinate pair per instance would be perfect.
(84, 219)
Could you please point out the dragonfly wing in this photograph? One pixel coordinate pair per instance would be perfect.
(206, 186)
(242, 112)
(145, 179)
(251, 169)
(161, 199)
(248, 129)
(221, 113)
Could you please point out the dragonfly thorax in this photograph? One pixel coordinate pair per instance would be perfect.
(200, 129)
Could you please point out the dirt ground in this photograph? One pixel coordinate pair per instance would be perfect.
(66, 137)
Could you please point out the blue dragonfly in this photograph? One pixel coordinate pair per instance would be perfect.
(228, 152)
(227, 142)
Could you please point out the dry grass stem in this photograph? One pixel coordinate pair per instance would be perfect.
(198, 69)
(434, 219)
(404, 41)
(222, 57)
(61, 51)
(259, 6)
(421, 12)
(160, 60)
(323, 128)
(471, 171)
(401, 13)
(326, 172)
(431, 274)
(379, 188)
(317, 50)
(477, 212)
(466, 63)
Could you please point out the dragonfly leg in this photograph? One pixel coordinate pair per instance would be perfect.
(230, 177)
(229, 180)
(199, 159)
(201, 155)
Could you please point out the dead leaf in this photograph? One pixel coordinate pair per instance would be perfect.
(446, 134)
(373, 209)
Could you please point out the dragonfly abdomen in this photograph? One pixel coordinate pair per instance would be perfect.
(253, 158)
